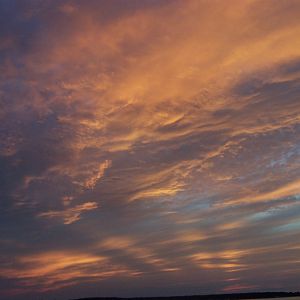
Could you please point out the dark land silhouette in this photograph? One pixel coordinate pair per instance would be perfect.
(235, 296)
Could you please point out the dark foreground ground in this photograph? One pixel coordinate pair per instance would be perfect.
(209, 297)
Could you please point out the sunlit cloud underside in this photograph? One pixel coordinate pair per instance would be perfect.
(149, 147)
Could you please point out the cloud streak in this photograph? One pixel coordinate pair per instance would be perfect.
(157, 139)
(70, 215)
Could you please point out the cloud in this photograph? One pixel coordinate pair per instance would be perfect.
(70, 215)
(54, 270)
(180, 119)
(289, 190)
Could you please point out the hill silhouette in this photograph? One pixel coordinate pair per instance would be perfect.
(235, 296)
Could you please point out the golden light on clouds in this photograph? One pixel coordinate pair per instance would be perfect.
(147, 144)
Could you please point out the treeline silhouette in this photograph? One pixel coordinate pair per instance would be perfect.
(208, 297)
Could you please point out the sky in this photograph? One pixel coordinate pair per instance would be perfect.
(149, 147)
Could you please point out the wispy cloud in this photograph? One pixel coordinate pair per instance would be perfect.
(180, 119)
(70, 215)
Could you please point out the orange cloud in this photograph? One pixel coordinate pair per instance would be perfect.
(288, 190)
(54, 270)
(181, 116)
(70, 215)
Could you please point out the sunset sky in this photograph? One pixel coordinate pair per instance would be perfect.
(149, 147)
